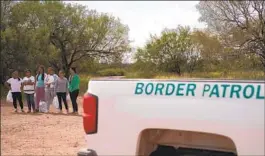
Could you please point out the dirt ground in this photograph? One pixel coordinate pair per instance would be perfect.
(41, 134)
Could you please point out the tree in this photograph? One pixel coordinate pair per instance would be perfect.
(80, 33)
(13, 54)
(209, 48)
(170, 52)
(66, 33)
(5, 13)
(246, 16)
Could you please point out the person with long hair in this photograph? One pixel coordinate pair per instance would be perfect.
(28, 83)
(40, 91)
(61, 87)
(15, 85)
(73, 86)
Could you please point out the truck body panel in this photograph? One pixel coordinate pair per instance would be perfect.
(234, 109)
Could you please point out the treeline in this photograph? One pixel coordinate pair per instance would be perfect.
(61, 35)
(233, 41)
(57, 34)
(182, 50)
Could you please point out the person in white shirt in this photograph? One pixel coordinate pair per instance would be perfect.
(49, 87)
(15, 85)
(29, 90)
(55, 76)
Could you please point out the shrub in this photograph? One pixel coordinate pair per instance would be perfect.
(245, 75)
(140, 75)
(84, 79)
(3, 91)
(111, 72)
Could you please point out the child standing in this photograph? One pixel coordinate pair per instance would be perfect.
(15, 85)
(29, 90)
(39, 86)
(61, 87)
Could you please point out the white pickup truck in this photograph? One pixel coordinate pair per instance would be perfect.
(174, 117)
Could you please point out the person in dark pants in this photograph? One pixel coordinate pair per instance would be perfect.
(15, 85)
(73, 86)
(30, 102)
(61, 87)
(28, 83)
(17, 96)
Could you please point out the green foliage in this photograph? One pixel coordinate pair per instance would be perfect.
(241, 22)
(111, 72)
(170, 52)
(84, 79)
(59, 34)
(186, 51)
(240, 75)
(89, 66)
(3, 91)
(140, 75)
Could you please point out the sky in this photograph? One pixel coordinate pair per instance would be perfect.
(149, 17)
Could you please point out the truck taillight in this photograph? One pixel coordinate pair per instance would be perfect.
(90, 115)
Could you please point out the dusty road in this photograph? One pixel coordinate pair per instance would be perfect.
(40, 134)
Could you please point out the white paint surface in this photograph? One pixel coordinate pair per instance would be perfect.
(123, 115)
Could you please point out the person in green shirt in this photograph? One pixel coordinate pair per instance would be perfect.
(73, 87)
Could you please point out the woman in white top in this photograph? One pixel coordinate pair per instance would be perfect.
(29, 90)
(15, 85)
(49, 87)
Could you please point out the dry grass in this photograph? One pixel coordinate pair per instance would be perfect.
(250, 75)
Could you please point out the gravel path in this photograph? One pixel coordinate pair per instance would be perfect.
(40, 134)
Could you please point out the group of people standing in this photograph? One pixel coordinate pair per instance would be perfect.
(44, 87)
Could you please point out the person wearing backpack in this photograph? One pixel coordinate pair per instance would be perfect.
(15, 85)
